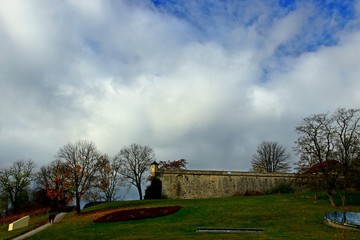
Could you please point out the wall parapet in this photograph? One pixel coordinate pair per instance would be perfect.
(222, 173)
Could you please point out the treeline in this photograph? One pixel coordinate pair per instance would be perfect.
(328, 147)
(79, 171)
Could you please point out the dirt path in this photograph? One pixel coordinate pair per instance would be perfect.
(36, 230)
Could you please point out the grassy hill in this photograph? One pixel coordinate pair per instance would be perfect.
(293, 216)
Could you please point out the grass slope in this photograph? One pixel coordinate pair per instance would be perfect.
(35, 221)
(293, 216)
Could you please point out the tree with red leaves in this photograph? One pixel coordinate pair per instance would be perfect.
(173, 164)
(53, 178)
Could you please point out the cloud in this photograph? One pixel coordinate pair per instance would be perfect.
(202, 81)
(322, 80)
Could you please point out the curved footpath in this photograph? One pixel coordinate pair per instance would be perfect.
(36, 230)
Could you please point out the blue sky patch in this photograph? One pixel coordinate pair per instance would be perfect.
(327, 19)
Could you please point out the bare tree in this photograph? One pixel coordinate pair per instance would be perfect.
(270, 157)
(83, 160)
(110, 180)
(15, 180)
(308, 178)
(315, 145)
(331, 142)
(136, 159)
(355, 173)
(346, 138)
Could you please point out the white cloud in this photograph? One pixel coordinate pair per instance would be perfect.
(205, 87)
(321, 81)
(266, 103)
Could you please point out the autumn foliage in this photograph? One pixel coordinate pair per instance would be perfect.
(173, 164)
(14, 217)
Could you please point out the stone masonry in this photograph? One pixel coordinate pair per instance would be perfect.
(187, 184)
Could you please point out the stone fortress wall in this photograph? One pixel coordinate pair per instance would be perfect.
(188, 184)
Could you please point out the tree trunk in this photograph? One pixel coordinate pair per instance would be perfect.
(316, 196)
(14, 207)
(77, 197)
(140, 192)
(331, 198)
(7, 208)
(13, 202)
(343, 197)
(331, 185)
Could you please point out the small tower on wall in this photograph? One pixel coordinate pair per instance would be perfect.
(154, 169)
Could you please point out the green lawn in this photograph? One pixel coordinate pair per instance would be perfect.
(294, 216)
(35, 221)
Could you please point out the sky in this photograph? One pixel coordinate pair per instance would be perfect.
(204, 80)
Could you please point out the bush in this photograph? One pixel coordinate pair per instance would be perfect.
(248, 193)
(33, 212)
(252, 193)
(282, 187)
(154, 190)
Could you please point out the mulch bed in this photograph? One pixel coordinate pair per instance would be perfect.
(12, 218)
(137, 213)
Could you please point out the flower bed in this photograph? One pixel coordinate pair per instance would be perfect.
(11, 218)
(137, 213)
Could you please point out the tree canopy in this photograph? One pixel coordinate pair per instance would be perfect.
(173, 164)
(15, 180)
(83, 160)
(270, 157)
